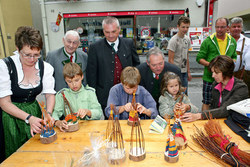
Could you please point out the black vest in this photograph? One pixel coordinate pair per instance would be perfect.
(23, 95)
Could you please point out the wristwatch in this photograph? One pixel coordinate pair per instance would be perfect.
(27, 119)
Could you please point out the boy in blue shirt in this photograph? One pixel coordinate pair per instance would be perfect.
(121, 96)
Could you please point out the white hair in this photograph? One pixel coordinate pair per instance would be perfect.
(236, 20)
(73, 33)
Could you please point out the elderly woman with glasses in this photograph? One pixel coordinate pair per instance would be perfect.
(23, 77)
(226, 90)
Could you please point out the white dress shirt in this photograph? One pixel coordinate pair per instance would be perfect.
(5, 82)
(245, 55)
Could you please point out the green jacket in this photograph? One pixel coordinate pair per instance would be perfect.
(210, 49)
(85, 98)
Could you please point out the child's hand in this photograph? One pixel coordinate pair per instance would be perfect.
(182, 107)
(49, 118)
(61, 125)
(142, 110)
(179, 109)
(128, 107)
(83, 112)
(177, 106)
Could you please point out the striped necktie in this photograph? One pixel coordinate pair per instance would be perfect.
(113, 44)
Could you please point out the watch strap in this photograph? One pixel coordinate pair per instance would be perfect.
(27, 119)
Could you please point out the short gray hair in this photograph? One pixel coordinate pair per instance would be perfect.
(110, 20)
(154, 51)
(73, 33)
(236, 20)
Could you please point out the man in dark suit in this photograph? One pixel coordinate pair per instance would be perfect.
(107, 57)
(152, 72)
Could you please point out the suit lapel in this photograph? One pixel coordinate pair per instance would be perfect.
(149, 78)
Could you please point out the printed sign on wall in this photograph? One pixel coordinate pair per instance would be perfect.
(145, 31)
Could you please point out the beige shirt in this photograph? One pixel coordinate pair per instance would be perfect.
(180, 47)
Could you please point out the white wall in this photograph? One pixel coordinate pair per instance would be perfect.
(232, 8)
(215, 15)
(36, 17)
(197, 15)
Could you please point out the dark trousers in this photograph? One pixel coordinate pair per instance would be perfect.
(246, 79)
(2, 148)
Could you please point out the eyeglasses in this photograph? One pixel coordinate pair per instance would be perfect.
(36, 56)
(221, 27)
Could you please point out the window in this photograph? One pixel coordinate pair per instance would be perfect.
(146, 28)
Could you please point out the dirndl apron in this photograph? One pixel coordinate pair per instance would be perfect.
(16, 131)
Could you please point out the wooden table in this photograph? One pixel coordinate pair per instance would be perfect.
(70, 146)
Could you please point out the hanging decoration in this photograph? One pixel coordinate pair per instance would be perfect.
(59, 18)
(187, 12)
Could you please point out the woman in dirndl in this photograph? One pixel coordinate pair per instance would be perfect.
(24, 76)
